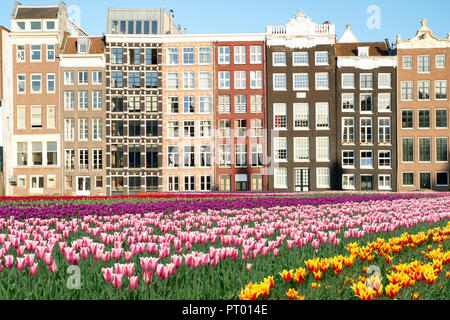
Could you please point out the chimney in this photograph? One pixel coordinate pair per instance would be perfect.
(387, 44)
(185, 30)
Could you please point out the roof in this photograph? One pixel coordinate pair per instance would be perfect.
(97, 45)
(37, 13)
(376, 49)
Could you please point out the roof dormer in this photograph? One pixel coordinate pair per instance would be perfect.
(83, 44)
(363, 51)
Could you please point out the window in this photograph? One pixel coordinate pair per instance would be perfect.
(407, 149)
(21, 25)
(83, 129)
(117, 55)
(301, 116)
(134, 79)
(256, 103)
(300, 59)
(82, 77)
(363, 51)
(188, 80)
(52, 153)
(441, 119)
(117, 79)
(224, 128)
(189, 129)
(173, 130)
(279, 59)
(151, 128)
(279, 82)
(135, 56)
(51, 83)
(348, 159)
(348, 102)
(22, 153)
(134, 104)
(20, 53)
(240, 103)
(280, 149)
(408, 179)
(322, 81)
(300, 81)
(407, 62)
(69, 129)
(99, 182)
(423, 64)
(189, 156)
(301, 149)
(117, 104)
(255, 79)
(151, 156)
(205, 156)
(441, 89)
(322, 149)
(256, 128)
(172, 80)
(366, 160)
(384, 80)
(36, 83)
(35, 51)
(240, 80)
(151, 104)
(173, 183)
(21, 117)
(442, 178)
(224, 80)
(51, 117)
(424, 119)
(134, 128)
(117, 185)
(348, 130)
(205, 128)
(36, 116)
(240, 127)
(257, 155)
(348, 181)
(225, 156)
(189, 105)
(255, 54)
(204, 80)
(69, 77)
(280, 178)
(384, 102)
(204, 55)
(366, 102)
(188, 56)
(37, 184)
(241, 182)
(407, 119)
(424, 149)
(424, 90)
(224, 104)
(189, 183)
(322, 58)
(83, 100)
(97, 100)
(205, 104)
(173, 104)
(323, 178)
(280, 116)
(384, 130)
(366, 130)
(224, 55)
(172, 56)
(130, 27)
(205, 183)
(134, 156)
(69, 159)
(117, 156)
(348, 81)
(441, 149)
(151, 80)
(21, 83)
(384, 182)
(239, 55)
(384, 159)
(407, 90)
(440, 61)
(366, 81)
(36, 155)
(322, 116)
(151, 56)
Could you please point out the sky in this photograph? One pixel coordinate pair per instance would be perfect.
(370, 20)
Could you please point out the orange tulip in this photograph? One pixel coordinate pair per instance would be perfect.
(300, 275)
(392, 290)
(287, 275)
(317, 275)
(291, 294)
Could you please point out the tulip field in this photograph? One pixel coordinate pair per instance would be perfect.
(257, 246)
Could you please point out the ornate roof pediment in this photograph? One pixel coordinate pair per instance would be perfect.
(423, 39)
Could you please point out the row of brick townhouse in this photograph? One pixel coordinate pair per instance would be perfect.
(147, 108)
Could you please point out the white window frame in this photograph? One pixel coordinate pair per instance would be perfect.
(346, 186)
(318, 80)
(275, 59)
(323, 143)
(279, 82)
(319, 175)
(280, 178)
(317, 56)
(298, 82)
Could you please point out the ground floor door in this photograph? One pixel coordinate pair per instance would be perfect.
(83, 186)
(367, 183)
(301, 180)
(425, 180)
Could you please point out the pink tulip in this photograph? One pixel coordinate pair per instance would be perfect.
(134, 282)
(107, 274)
(249, 266)
(105, 257)
(20, 263)
(9, 261)
(29, 260)
(129, 269)
(119, 268)
(276, 252)
(1, 266)
(53, 267)
(128, 256)
(147, 277)
(315, 244)
(33, 269)
(84, 253)
(117, 280)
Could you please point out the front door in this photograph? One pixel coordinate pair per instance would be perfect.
(425, 180)
(83, 186)
(301, 180)
(366, 183)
